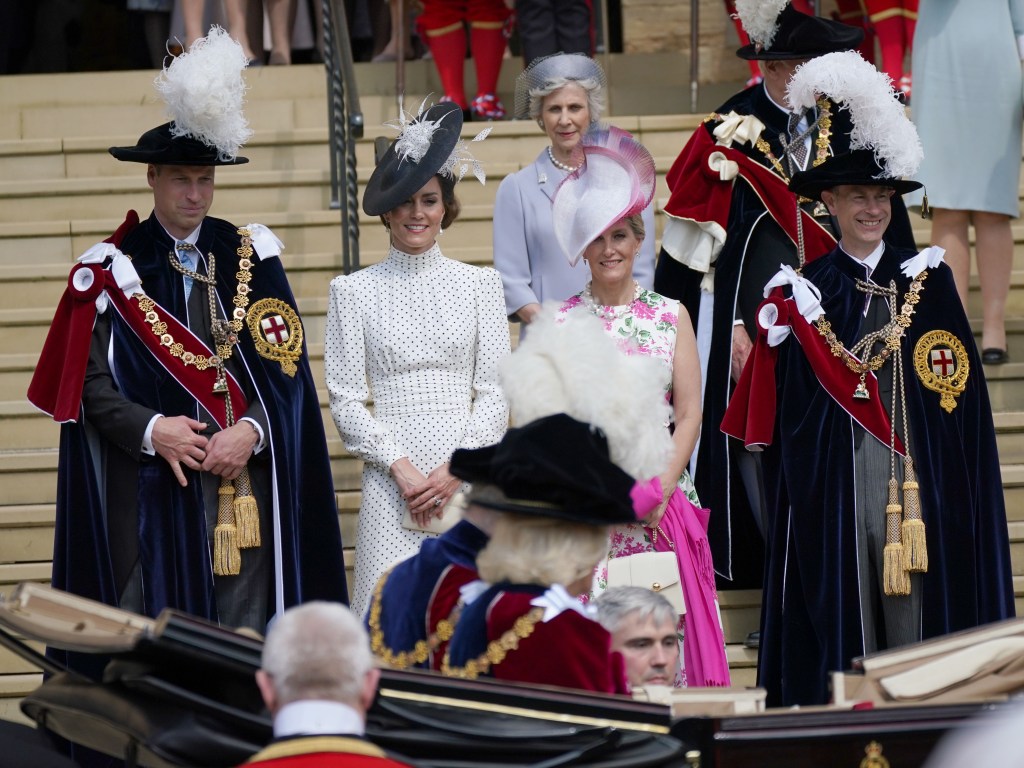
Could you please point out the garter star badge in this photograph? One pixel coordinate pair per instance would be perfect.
(277, 332)
(940, 362)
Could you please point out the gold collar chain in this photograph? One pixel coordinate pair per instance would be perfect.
(822, 142)
(497, 650)
(891, 333)
(241, 301)
(421, 650)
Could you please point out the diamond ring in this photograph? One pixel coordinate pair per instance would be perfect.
(438, 501)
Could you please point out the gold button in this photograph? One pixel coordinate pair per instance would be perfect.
(656, 587)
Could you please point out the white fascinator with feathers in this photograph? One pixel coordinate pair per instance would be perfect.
(569, 365)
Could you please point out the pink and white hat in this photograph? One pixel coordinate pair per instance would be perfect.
(615, 179)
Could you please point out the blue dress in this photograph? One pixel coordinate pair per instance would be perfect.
(967, 103)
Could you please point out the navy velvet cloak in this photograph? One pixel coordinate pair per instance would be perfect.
(412, 585)
(163, 527)
(811, 610)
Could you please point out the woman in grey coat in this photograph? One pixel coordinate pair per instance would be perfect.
(564, 93)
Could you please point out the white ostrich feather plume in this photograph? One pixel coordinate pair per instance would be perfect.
(415, 135)
(204, 91)
(574, 367)
(760, 19)
(879, 121)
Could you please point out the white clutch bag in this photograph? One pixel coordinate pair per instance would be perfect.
(656, 571)
(452, 515)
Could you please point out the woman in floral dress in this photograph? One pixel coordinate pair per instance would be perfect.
(617, 180)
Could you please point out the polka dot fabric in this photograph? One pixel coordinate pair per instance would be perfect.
(418, 337)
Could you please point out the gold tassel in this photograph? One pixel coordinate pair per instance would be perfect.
(894, 574)
(247, 514)
(915, 547)
(926, 211)
(227, 560)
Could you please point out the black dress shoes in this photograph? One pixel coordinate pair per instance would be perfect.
(994, 356)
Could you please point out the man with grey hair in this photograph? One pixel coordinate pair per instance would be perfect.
(643, 628)
(318, 680)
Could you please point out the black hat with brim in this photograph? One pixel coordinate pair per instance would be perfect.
(858, 167)
(556, 467)
(160, 147)
(397, 178)
(801, 36)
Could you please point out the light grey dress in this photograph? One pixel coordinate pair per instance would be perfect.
(967, 103)
(526, 253)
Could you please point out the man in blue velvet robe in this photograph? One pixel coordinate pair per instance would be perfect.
(148, 442)
(725, 237)
(846, 574)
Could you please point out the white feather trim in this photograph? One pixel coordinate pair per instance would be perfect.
(205, 91)
(880, 122)
(574, 367)
(760, 19)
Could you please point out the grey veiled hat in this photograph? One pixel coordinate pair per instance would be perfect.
(546, 69)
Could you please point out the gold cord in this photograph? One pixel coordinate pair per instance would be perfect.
(497, 650)
(422, 649)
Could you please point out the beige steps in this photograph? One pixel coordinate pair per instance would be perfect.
(88, 104)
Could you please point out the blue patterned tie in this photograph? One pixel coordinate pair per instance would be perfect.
(186, 255)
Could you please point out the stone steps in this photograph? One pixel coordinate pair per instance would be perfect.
(61, 192)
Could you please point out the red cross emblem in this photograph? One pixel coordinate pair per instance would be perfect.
(943, 363)
(276, 331)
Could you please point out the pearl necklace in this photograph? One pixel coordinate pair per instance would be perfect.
(562, 166)
(608, 312)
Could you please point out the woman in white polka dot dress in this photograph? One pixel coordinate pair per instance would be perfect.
(419, 336)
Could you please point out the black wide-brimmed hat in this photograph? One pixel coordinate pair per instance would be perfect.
(859, 166)
(556, 467)
(801, 36)
(159, 146)
(424, 147)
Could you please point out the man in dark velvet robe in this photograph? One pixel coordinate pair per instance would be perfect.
(147, 441)
(841, 579)
(726, 235)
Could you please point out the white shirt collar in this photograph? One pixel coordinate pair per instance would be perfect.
(317, 717)
(786, 110)
(191, 239)
(871, 260)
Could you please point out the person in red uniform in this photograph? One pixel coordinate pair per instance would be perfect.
(318, 679)
(443, 26)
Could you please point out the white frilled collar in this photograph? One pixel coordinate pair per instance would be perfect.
(472, 590)
(557, 600)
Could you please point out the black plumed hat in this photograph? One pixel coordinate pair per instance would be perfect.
(422, 150)
(801, 36)
(556, 467)
(859, 166)
(159, 146)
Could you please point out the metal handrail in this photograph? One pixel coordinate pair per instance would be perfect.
(345, 126)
